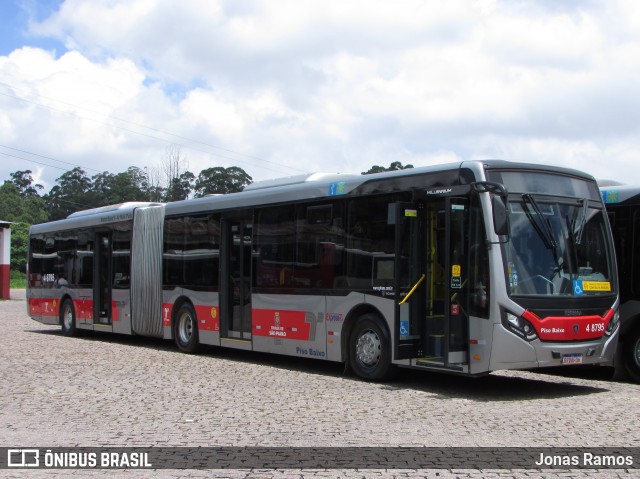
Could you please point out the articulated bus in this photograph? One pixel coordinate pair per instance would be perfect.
(623, 206)
(464, 268)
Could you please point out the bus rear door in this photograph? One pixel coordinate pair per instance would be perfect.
(102, 279)
(235, 282)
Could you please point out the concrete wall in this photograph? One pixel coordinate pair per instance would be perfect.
(5, 260)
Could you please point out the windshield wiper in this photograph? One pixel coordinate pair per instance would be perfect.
(577, 235)
(545, 233)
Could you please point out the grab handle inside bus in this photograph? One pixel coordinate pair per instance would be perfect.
(415, 286)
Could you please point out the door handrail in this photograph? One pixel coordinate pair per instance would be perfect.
(415, 286)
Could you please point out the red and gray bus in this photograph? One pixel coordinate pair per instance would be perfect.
(464, 268)
(623, 206)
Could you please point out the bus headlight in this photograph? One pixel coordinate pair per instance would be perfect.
(613, 324)
(518, 325)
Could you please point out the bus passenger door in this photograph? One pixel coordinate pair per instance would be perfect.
(410, 280)
(235, 281)
(102, 279)
(457, 280)
(431, 281)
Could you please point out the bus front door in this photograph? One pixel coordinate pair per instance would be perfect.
(431, 322)
(235, 281)
(102, 279)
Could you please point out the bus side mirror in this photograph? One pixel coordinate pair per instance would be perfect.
(499, 197)
(500, 215)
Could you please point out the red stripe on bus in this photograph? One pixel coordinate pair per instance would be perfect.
(208, 318)
(48, 307)
(569, 328)
(115, 316)
(84, 308)
(277, 323)
(167, 311)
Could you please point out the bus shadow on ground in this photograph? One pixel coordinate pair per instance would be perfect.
(600, 373)
(492, 387)
(111, 338)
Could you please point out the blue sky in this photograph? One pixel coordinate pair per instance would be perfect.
(15, 16)
(278, 88)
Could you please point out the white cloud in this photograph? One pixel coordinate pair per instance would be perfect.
(338, 86)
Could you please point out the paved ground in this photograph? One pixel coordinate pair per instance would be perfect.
(104, 390)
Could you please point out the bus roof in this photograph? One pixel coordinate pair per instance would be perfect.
(332, 186)
(612, 195)
(93, 217)
(296, 180)
(304, 187)
(119, 208)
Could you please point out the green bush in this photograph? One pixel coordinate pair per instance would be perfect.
(18, 279)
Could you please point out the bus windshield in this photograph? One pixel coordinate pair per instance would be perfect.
(557, 248)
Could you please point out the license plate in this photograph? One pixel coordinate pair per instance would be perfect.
(572, 358)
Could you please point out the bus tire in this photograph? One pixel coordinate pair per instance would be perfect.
(68, 318)
(370, 349)
(185, 329)
(632, 354)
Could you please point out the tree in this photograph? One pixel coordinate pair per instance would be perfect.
(72, 193)
(19, 246)
(153, 181)
(178, 181)
(220, 180)
(180, 188)
(102, 185)
(24, 182)
(394, 166)
(22, 211)
(109, 189)
(16, 208)
(138, 179)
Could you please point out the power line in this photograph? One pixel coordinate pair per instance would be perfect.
(83, 206)
(148, 128)
(34, 161)
(45, 157)
(60, 200)
(52, 166)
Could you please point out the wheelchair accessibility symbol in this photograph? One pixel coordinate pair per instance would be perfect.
(404, 329)
(578, 290)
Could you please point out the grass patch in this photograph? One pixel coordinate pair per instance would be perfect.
(18, 280)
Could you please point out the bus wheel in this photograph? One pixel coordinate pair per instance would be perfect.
(370, 349)
(632, 354)
(68, 318)
(186, 329)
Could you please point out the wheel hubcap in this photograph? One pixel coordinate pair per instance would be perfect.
(185, 328)
(368, 348)
(68, 318)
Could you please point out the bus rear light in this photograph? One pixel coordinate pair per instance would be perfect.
(519, 326)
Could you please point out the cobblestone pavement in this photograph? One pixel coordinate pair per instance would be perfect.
(108, 390)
